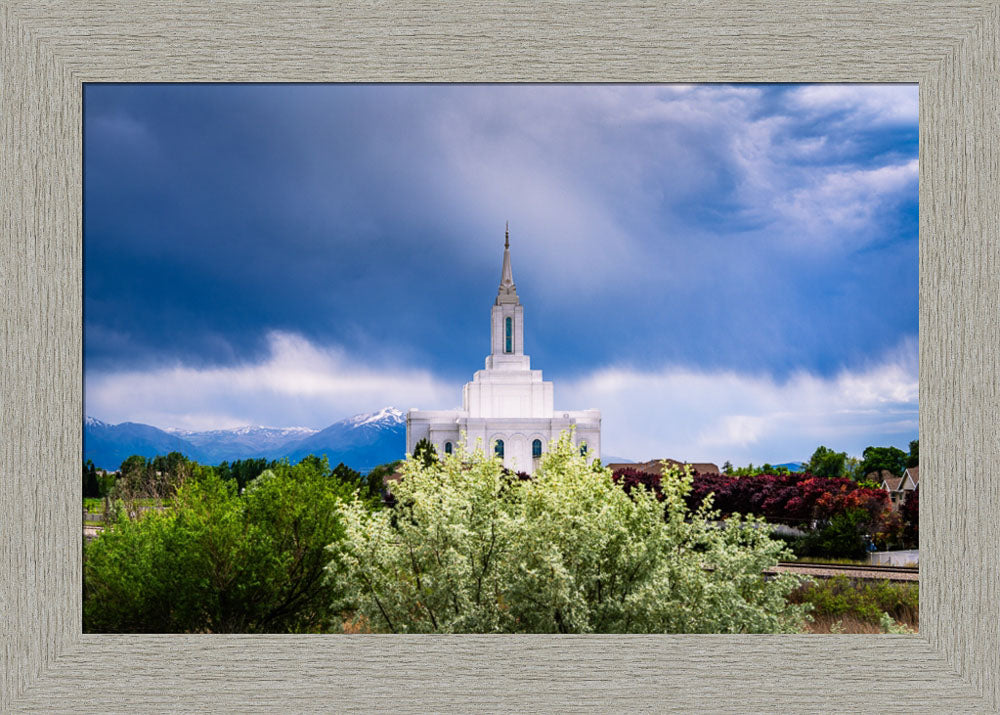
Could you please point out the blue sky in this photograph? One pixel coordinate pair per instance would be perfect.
(727, 272)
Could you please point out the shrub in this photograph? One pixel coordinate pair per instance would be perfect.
(218, 561)
(469, 548)
(843, 537)
(865, 600)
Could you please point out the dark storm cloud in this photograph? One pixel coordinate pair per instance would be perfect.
(765, 229)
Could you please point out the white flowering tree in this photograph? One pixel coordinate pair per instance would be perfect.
(469, 548)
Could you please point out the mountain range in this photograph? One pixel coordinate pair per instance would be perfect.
(362, 442)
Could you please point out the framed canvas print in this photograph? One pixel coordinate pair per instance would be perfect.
(51, 53)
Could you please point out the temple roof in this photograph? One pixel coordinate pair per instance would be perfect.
(507, 292)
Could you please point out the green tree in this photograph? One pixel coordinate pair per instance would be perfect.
(244, 471)
(91, 487)
(852, 469)
(827, 463)
(218, 561)
(105, 487)
(134, 463)
(425, 452)
(320, 464)
(347, 475)
(875, 459)
(842, 537)
(471, 548)
(375, 480)
(913, 460)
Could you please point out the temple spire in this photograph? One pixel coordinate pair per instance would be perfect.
(506, 235)
(507, 292)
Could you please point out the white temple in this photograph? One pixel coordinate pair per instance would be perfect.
(507, 407)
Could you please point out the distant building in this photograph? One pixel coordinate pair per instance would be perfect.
(507, 407)
(655, 466)
(899, 488)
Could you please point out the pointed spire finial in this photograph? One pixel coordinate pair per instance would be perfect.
(506, 275)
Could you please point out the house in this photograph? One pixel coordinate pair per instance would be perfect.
(655, 466)
(899, 488)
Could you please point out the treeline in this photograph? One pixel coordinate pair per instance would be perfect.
(159, 477)
(826, 462)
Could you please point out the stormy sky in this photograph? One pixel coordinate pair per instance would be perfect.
(726, 271)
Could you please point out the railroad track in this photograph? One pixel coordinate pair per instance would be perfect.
(891, 573)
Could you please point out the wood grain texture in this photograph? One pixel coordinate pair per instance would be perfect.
(49, 48)
(959, 357)
(40, 365)
(513, 673)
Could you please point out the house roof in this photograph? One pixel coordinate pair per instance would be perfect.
(914, 474)
(891, 484)
(706, 468)
(655, 466)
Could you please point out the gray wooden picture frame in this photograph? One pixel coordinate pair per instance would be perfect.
(50, 47)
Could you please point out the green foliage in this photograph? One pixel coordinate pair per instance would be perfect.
(375, 479)
(471, 548)
(913, 460)
(875, 459)
(753, 471)
(827, 463)
(244, 471)
(91, 487)
(346, 474)
(133, 463)
(424, 451)
(852, 470)
(105, 483)
(219, 561)
(93, 505)
(842, 537)
(158, 478)
(866, 600)
(889, 625)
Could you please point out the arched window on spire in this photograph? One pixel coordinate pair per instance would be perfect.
(447, 447)
(508, 346)
(498, 448)
(536, 448)
(583, 449)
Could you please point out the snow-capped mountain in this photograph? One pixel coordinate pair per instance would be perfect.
(109, 445)
(386, 417)
(241, 442)
(361, 442)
